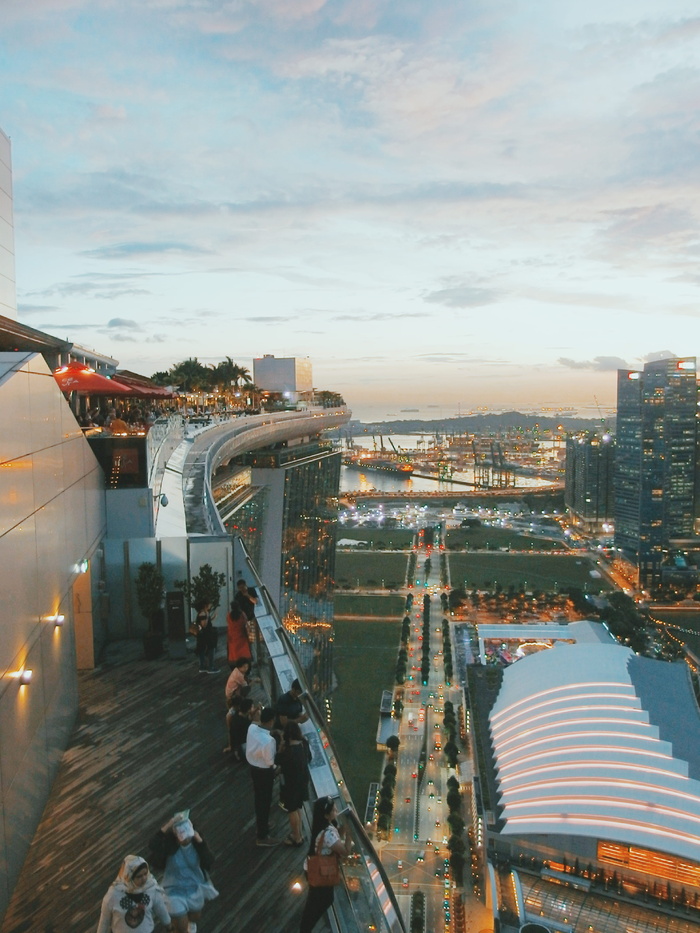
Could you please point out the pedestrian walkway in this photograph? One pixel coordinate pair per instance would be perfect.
(148, 741)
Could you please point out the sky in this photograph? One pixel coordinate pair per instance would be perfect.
(444, 204)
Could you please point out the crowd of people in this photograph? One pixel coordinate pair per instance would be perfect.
(269, 740)
(132, 419)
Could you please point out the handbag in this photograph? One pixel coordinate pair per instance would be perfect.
(322, 871)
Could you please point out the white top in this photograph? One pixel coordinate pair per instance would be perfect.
(330, 837)
(260, 747)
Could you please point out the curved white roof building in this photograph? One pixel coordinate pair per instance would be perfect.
(592, 740)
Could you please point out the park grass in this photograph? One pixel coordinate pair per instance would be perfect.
(391, 538)
(365, 664)
(494, 538)
(483, 569)
(368, 606)
(370, 568)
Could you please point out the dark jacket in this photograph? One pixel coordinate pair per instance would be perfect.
(207, 637)
(163, 845)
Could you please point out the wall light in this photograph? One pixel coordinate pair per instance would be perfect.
(57, 619)
(24, 676)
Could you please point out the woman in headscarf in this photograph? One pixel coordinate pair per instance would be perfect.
(134, 900)
(180, 850)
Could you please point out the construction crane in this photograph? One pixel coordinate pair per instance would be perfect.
(600, 413)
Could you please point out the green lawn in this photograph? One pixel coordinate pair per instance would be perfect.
(370, 568)
(537, 571)
(371, 607)
(365, 663)
(380, 538)
(483, 538)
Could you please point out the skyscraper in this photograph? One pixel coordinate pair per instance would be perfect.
(655, 461)
(588, 492)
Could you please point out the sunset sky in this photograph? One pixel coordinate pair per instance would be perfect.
(455, 203)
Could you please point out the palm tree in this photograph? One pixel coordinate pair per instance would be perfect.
(191, 375)
(240, 373)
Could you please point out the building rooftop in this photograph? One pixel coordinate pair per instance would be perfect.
(594, 740)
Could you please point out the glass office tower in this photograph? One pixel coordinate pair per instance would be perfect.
(655, 462)
(588, 491)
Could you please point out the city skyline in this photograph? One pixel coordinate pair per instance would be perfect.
(466, 207)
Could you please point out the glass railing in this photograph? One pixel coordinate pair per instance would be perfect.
(366, 900)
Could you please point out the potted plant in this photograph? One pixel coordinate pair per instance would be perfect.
(150, 585)
(204, 588)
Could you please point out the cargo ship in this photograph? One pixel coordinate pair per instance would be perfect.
(381, 464)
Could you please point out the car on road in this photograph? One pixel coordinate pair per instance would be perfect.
(405, 882)
(408, 799)
(399, 864)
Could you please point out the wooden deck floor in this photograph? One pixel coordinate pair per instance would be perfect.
(148, 742)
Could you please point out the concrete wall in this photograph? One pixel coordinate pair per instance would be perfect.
(52, 517)
(8, 305)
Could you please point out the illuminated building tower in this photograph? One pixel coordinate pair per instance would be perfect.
(294, 538)
(655, 462)
(588, 492)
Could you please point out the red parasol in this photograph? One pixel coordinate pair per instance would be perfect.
(143, 388)
(77, 377)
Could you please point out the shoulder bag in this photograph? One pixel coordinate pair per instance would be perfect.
(322, 871)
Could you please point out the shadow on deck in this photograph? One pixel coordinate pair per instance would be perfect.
(148, 741)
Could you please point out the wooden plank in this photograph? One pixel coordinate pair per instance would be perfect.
(148, 742)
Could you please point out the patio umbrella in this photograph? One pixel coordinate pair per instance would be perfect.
(143, 388)
(77, 377)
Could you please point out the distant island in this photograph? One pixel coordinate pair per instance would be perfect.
(481, 424)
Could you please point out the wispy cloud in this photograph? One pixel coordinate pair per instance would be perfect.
(599, 364)
(136, 250)
(463, 296)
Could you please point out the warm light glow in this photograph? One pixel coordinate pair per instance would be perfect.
(554, 694)
(594, 822)
(555, 726)
(56, 619)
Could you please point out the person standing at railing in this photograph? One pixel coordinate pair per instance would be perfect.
(293, 758)
(237, 643)
(260, 752)
(329, 839)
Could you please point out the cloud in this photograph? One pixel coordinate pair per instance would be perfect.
(135, 250)
(658, 355)
(463, 296)
(269, 318)
(364, 317)
(28, 309)
(124, 324)
(601, 364)
(652, 228)
(109, 113)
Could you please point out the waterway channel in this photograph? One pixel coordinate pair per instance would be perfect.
(356, 480)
